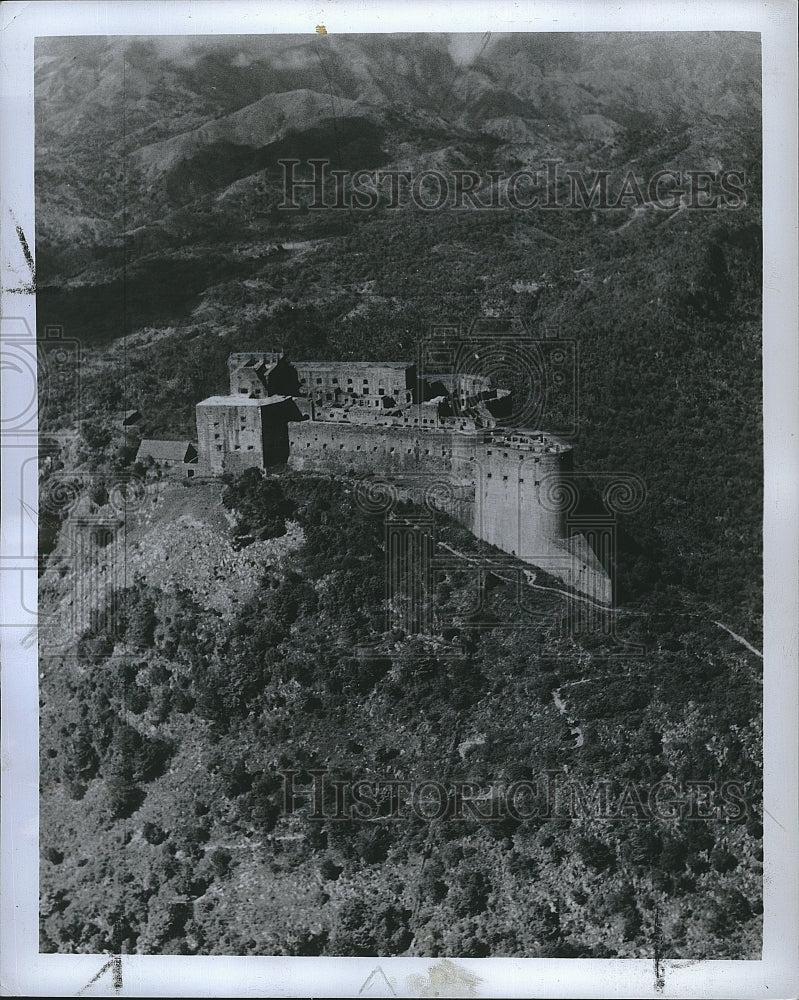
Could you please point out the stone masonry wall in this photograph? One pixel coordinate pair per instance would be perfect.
(493, 489)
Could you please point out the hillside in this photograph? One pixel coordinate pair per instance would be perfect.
(165, 744)
(247, 633)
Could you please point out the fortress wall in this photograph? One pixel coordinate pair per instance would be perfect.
(342, 448)
(371, 380)
(275, 419)
(237, 462)
(508, 491)
(437, 462)
(247, 382)
(492, 489)
(230, 437)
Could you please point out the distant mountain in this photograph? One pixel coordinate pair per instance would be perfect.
(132, 130)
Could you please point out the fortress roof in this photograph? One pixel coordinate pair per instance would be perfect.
(353, 364)
(240, 358)
(242, 400)
(166, 451)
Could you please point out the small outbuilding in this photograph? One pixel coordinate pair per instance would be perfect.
(178, 455)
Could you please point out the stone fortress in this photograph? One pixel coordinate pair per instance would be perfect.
(438, 436)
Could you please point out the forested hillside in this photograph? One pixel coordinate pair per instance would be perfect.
(248, 633)
(164, 747)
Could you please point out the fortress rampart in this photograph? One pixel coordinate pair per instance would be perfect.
(504, 491)
(501, 483)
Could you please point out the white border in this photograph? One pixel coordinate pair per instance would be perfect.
(22, 969)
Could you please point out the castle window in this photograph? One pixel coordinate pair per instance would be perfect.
(366, 390)
(324, 446)
(302, 381)
(409, 450)
(219, 447)
(335, 381)
(328, 396)
(357, 447)
(416, 420)
(349, 381)
(504, 454)
(216, 424)
(391, 451)
(489, 453)
(249, 447)
(427, 451)
(366, 381)
(488, 475)
(377, 402)
(381, 392)
(521, 480)
(318, 381)
(237, 447)
(341, 447)
(307, 444)
(216, 436)
(504, 479)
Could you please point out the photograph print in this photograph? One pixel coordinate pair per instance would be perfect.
(400, 494)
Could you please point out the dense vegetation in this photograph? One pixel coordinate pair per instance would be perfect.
(166, 728)
(164, 743)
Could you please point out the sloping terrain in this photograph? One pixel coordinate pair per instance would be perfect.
(168, 743)
(248, 636)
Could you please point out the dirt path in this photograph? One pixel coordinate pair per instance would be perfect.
(740, 638)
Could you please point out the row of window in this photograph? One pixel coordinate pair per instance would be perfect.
(505, 479)
(334, 381)
(376, 447)
(505, 455)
